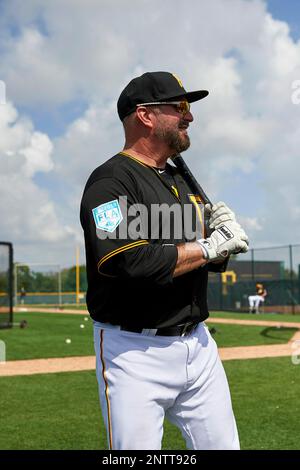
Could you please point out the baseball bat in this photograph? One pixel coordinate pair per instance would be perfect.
(190, 179)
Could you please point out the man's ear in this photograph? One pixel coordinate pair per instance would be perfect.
(145, 115)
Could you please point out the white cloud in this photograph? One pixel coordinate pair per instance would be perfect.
(37, 154)
(83, 56)
(32, 73)
(22, 150)
(88, 142)
(27, 214)
(251, 224)
(248, 124)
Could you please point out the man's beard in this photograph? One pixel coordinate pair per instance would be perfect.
(172, 137)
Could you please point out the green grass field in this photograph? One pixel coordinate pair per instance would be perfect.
(61, 411)
(240, 335)
(262, 316)
(265, 395)
(46, 333)
(236, 315)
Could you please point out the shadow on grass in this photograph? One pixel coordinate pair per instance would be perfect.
(274, 332)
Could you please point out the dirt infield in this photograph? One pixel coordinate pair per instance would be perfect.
(72, 364)
(278, 324)
(47, 366)
(4, 309)
(255, 352)
(209, 320)
(50, 310)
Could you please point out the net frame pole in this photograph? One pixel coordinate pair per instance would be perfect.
(11, 264)
(292, 277)
(59, 287)
(10, 280)
(77, 276)
(16, 284)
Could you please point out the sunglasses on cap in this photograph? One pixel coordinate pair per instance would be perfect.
(183, 107)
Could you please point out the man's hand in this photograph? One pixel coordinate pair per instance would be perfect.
(218, 214)
(227, 239)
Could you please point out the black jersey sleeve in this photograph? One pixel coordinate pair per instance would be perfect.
(111, 241)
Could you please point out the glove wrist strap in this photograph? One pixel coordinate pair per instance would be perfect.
(202, 242)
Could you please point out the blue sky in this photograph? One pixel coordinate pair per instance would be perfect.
(64, 73)
(289, 11)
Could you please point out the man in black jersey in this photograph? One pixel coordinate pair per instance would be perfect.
(148, 257)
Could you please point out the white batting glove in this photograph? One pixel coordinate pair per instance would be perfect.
(227, 239)
(218, 214)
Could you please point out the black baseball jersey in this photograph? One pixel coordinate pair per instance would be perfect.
(131, 249)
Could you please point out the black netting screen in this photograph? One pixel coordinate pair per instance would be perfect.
(6, 284)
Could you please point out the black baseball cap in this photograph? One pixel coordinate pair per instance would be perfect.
(153, 87)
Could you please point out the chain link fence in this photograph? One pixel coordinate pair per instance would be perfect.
(277, 268)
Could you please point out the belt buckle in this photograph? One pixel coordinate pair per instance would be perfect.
(184, 331)
(188, 328)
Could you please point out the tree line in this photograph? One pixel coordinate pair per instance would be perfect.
(37, 281)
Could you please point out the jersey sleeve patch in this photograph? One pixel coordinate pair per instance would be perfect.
(108, 216)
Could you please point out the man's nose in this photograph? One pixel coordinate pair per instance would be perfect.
(189, 117)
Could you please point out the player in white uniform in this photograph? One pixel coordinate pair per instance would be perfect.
(147, 293)
(258, 299)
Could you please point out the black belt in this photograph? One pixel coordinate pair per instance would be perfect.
(178, 330)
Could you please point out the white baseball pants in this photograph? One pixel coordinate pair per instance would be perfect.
(255, 300)
(144, 378)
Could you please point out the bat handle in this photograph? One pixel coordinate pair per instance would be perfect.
(190, 179)
(192, 183)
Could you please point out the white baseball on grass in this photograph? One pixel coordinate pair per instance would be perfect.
(68, 341)
(85, 318)
(81, 326)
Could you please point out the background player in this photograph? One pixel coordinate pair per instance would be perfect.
(259, 298)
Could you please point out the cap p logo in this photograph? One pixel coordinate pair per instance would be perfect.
(178, 79)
